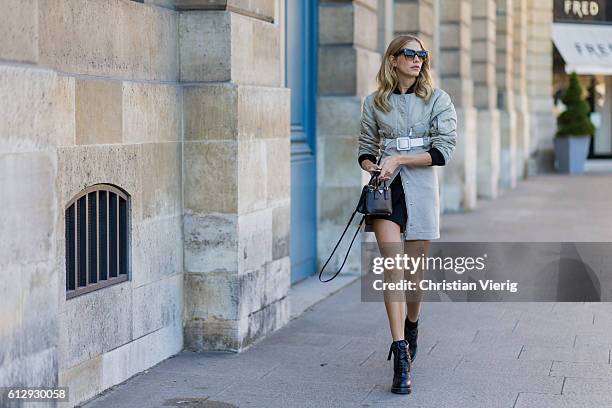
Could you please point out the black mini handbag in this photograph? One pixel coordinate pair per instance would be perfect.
(375, 199)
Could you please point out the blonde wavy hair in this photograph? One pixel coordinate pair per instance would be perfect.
(387, 77)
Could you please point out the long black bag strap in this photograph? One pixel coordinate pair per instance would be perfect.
(342, 236)
(336, 247)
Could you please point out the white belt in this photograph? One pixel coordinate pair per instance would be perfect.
(407, 143)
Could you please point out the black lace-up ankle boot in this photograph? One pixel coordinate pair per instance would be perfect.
(411, 333)
(401, 367)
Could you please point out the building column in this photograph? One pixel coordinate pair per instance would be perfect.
(540, 87)
(414, 17)
(459, 185)
(435, 46)
(422, 18)
(419, 18)
(236, 174)
(485, 97)
(348, 63)
(505, 92)
(385, 24)
(521, 102)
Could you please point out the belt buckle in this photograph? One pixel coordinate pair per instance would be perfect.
(403, 143)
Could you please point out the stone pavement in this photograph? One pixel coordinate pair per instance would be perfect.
(470, 354)
(545, 208)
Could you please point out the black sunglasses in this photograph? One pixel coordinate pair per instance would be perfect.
(422, 54)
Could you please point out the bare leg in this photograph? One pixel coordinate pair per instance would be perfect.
(390, 244)
(415, 249)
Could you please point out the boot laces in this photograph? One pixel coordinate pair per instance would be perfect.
(404, 357)
(402, 353)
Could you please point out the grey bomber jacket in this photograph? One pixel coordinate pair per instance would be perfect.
(411, 116)
(436, 119)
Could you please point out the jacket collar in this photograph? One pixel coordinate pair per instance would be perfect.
(409, 91)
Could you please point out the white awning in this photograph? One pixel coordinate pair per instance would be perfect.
(585, 48)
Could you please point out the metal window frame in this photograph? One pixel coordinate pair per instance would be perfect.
(109, 281)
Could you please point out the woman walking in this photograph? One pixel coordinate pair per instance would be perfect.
(411, 126)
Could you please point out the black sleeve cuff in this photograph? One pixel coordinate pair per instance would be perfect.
(437, 159)
(366, 156)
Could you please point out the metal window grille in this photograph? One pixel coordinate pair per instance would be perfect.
(97, 239)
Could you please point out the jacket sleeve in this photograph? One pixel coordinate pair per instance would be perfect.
(443, 131)
(369, 138)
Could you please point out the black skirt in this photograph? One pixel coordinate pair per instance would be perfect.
(399, 214)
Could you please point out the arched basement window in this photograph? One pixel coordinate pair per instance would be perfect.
(97, 239)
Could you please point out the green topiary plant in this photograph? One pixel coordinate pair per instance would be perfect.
(575, 120)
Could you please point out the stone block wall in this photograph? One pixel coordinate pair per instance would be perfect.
(540, 87)
(348, 63)
(236, 173)
(30, 126)
(505, 93)
(94, 98)
(455, 71)
(180, 104)
(485, 97)
(521, 101)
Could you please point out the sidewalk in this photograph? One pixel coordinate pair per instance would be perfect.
(470, 354)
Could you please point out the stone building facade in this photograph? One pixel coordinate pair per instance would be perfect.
(203, 114)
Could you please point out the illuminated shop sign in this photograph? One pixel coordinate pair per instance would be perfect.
(588, 11)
